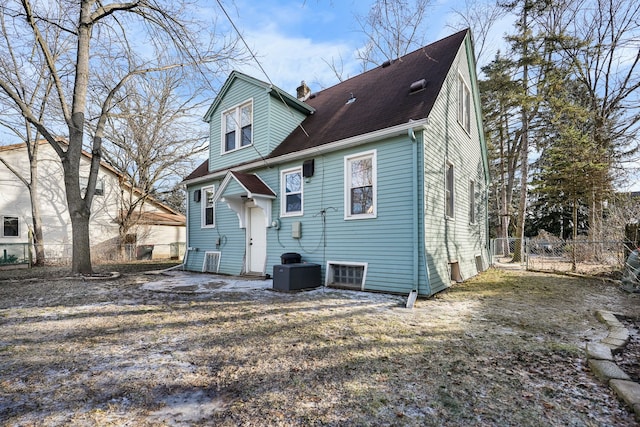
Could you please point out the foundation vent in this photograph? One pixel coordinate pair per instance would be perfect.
(211, 262)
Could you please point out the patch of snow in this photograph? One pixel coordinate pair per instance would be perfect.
(181, 281)
(197, 283)
(188, 407)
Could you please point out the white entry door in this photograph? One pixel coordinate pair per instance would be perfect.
(256, 241)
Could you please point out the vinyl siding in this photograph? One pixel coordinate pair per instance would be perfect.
(272, 122)
(385, 242)
(409, 238)
(453, 239)
(282, 121)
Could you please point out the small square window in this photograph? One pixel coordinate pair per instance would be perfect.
(10, 226)
(84, 182)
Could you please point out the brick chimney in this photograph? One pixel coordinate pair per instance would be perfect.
(303, 91)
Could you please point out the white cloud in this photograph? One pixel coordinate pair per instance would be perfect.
(295, 39)
(288, 60)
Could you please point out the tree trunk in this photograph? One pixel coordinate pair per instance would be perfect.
(81, 256)
(518, 254)
(574, 236)
(38, 239)
(79, 206)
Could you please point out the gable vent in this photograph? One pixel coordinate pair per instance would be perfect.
(351, 100)
(417, 86)
(211, 262)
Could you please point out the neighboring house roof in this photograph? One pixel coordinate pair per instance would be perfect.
(159, 218)
(392, 94)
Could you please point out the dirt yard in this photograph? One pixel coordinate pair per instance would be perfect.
(502, 349)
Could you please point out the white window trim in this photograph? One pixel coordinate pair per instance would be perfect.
(453, 190)
(464, 104)
(347, 185)
(98, 191)
(203, 211)
(329, 276)
(283, 193)
(472, 202)
(223, 127)
(2, 217)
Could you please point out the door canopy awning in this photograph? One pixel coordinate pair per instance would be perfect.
(237, 187)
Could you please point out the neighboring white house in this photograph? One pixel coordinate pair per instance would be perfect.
(158, 224)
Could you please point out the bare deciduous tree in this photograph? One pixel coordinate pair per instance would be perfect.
(481, 17)
(37, 94)
(601, 40)
(113, 43)
(152, 138)
(392, 28)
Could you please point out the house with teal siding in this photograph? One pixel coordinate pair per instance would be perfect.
(381, 179)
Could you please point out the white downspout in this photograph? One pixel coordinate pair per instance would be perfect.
(413, 295)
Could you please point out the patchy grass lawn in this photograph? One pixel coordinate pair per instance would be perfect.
(502, 349)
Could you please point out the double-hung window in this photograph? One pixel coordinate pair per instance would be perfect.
(360, 193)
(472, 202)
(237, 127)
(208, 207)
(291, 190)
(10, 226)
(448, 191)
(464, 105)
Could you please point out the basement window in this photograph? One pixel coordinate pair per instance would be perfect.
(347, 275)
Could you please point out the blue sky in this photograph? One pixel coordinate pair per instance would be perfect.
(294, 39)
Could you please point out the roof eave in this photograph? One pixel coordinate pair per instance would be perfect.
(332, 146)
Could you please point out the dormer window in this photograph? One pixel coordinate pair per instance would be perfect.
(237, 127)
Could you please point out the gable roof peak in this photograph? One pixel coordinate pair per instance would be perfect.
(270, 88)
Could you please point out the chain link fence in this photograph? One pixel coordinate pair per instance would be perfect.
(19, 254)
(605, 258)
(14, 254)
(109, 253)
(503, 251)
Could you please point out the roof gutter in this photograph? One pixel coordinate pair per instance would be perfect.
(355, 141)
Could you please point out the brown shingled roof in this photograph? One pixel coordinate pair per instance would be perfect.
(253, 184)
(200, 171)
(382, 98)
(159, 218)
